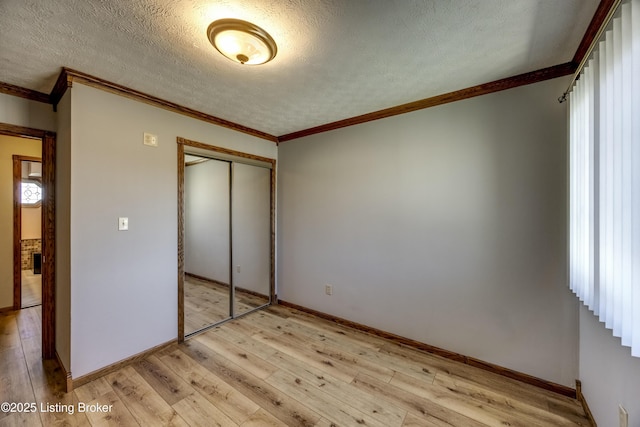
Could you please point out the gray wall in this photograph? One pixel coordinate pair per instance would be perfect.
(27, 113)
(206, 237)
(609, 375)
(251, 227)
(124, 283)
(446, 225)
(63, 231)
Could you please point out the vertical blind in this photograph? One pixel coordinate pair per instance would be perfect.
(604, 153)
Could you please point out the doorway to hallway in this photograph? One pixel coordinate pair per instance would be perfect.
(27, 218)
(10, 287)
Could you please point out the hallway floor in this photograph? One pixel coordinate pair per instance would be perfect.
(31, 289)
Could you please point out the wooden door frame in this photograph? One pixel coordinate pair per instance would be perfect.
(182, 142)
(17, 226)
(48, 155)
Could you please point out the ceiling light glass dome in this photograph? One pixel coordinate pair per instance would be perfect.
(242, 41)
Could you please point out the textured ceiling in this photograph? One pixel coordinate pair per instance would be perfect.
(336, 58)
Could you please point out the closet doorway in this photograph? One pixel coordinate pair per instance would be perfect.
(226, 237)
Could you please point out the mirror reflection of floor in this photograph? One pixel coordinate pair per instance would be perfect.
(207, 302)
(31, 289)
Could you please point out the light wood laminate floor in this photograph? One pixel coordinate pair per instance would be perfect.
(206, 303)
(275, 367)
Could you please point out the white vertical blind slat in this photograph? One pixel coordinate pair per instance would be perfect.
(595, 124)
(635, 178)
(625, 175)
(606, 201)
(590, 227)
(616, 178)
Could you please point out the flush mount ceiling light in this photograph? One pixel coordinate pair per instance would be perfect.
(242, 41)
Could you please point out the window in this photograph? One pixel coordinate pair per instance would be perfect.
(604, 153)
(31, 193)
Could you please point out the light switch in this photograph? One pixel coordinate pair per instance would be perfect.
(123, 223)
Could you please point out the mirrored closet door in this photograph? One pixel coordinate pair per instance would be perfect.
(207, 231)
(226, 238)
(251, 237)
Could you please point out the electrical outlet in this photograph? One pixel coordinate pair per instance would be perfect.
(238, 268)
(328, 289)
(150, 140)
(624, 416)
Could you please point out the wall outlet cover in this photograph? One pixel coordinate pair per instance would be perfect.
(150, 139)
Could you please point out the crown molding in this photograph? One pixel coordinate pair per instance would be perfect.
(458, 95)
(64, 82)
(68, 77)
(22, 92)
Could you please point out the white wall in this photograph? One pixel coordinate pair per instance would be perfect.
(124, 283)
(27, 113)
(609, 375)
(446, 225)
(206, 237)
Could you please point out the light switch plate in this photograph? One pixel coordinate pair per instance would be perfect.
(123, 223)
(624, 416)
(150, 139)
